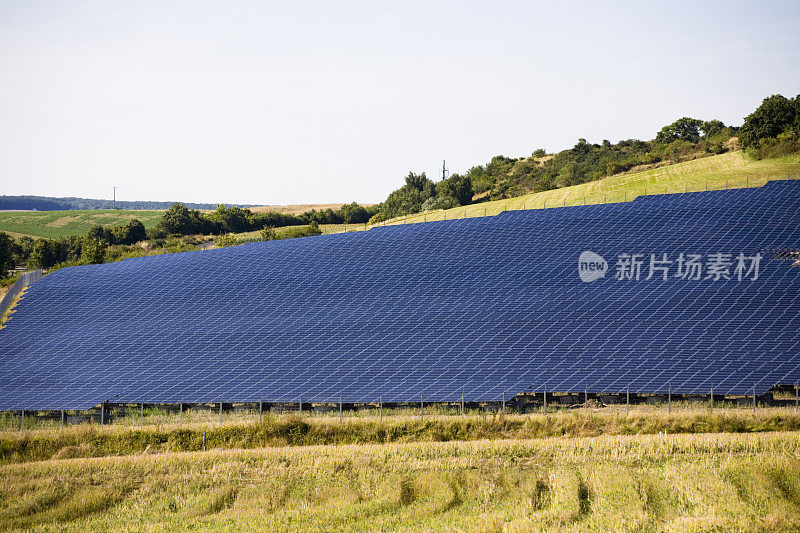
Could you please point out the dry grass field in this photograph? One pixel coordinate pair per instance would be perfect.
(646, 470)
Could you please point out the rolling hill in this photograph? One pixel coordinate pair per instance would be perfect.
(729, 170)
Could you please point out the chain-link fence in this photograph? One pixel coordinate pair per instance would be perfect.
(24, 280)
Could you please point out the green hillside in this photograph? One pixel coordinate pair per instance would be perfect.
(57, 224)
(729, 170)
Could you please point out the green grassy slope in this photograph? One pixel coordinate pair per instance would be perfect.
(731, 170)
(57, 224)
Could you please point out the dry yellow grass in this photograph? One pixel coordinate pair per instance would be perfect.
(610, 483)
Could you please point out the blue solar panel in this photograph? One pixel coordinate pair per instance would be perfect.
(487, 306)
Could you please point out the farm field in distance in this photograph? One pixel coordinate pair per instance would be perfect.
(568, 470)
(57, 224)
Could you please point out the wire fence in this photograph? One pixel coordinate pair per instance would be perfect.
(222, 412)
(599, 196)
(24, 280)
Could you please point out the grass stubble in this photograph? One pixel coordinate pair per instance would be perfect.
(564, 471)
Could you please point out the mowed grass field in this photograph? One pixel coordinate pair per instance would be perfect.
(57, 224)
(730, 170)
(646, 470)
(696, 482)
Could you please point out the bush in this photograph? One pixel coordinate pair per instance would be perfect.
(226, 240)
(377, 218)
(269, 234)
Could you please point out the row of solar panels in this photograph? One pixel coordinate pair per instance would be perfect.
(489, 307)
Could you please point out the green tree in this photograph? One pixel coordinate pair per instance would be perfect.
(130, 233)
(94, 246)
(775, 115)
(457, 187)
(684, 129)
(43, 254)
(6, 253)
(180, 220)
(712, 128)
(353, 214)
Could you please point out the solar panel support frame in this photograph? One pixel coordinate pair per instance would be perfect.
(22, 423)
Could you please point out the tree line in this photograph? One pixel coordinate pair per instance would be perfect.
(102, 244)
(772, 130)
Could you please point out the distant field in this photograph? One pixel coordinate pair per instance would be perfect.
(731, 170)
(294, 209)
(57, 224)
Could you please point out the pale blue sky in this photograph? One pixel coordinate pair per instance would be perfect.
(305, 102)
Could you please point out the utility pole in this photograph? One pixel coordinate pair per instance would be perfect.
(444, 170)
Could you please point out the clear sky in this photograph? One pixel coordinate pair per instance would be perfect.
(309, 102)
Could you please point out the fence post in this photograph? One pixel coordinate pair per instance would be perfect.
(796, 397)
(102, 413)
(204, 440)
(180, 421)
(669, 400)
(22, 423)
(220, 412)
(504, 402)
(627, 401)
(380, 400)
(462, 402)
(754, 399)
(421, 407)
(544, 403)
(260, 408)
(141, 415)
(301, 406)
(62, 419)
(585, 397)
(340, 407)
(712, 399)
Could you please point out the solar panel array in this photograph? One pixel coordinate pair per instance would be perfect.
(484, 306)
